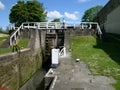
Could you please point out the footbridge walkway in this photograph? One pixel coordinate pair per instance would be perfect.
(50, 26)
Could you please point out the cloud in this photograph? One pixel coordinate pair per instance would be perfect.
(54, 14)
(72, 16)
(2, 6)
(67, 15)
(81, 1)
(76, 12)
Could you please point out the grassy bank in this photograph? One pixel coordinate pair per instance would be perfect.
(23, 43)
(3, 39)
(4, 50)
(103, 58)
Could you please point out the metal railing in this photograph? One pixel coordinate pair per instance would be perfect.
(89, 25)
(34, 25)
(62, 51)
(14, 35)
(44, 25)
(49, 26)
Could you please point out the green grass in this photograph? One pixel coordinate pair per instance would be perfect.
(5, 50)
(102, 58)
(23, 43)
(2, 39)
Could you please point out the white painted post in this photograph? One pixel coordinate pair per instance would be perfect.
(82, 26)
(37, 25)
(74, 26)
(22, 26)
(34, 26)
(19, 32)
(28, 25)
(46, 25)
(10, 41)
(64, 51)
(90, 26)
(99, 31)
(14, 26)
(15, 37)
(55, 25)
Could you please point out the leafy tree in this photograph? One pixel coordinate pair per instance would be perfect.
(91, 14)
(56, 20)
(30, 11)
(36, 11)
(18, 13)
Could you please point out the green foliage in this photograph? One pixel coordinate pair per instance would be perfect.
(91, 14)
(5, 50)
(102, 58)
(36, 11)
(30, 11)
(3, 39)
(56, 20)
(23, 43)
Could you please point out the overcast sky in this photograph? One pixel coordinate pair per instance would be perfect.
(71, 10)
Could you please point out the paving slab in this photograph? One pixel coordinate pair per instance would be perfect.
(77, 76)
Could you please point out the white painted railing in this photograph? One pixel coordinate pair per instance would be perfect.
(48, 26)
(14, 35)
(44, 25)
(11, 27)
(62, 51)
(34, 25)
(72, 25)
(89, 25)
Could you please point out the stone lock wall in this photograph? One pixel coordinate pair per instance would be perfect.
(16, 69)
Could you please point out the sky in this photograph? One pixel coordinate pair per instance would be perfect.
(71, 10)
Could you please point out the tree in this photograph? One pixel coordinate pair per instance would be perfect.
(30, 11)
(91, 14)
(56, 20)
(36, 11)
(18, 13)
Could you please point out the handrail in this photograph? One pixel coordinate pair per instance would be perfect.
(36, 25)
(63, 51)
(99, 31)
(84, 25)
(44, 25)
(14, 34)
(50, 25)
